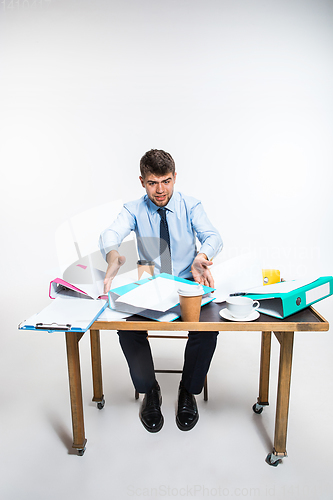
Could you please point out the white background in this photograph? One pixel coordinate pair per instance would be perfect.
(238, 91)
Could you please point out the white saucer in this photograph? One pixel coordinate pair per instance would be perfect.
(225, 314)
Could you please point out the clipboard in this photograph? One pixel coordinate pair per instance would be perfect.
(66, 314)
(286, 298)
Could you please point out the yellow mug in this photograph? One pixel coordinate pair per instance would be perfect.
(270, 276)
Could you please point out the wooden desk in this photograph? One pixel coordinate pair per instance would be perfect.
(304, 321)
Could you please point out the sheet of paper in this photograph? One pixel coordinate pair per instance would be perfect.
(78, 236)
(235, 275)
(159, 294)
(125, 279)
(87, 226)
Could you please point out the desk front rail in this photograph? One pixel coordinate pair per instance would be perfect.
(307, 320)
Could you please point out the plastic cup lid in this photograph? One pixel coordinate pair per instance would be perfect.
(190, 290)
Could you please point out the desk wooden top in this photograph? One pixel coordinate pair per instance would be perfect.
(306, 320)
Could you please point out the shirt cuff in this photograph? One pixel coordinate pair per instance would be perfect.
(207, 250)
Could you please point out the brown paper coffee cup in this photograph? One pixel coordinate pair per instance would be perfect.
(147, 266)
(190, 307)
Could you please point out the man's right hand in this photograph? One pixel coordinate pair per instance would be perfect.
(115, 261)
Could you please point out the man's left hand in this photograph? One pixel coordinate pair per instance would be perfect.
(200, 272)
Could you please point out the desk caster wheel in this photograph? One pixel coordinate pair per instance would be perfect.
(100, 404)
(257, 408)
(81, 452)
(273, 460)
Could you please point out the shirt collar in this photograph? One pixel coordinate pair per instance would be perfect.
(170, 206)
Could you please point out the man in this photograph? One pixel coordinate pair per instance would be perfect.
(166, 224)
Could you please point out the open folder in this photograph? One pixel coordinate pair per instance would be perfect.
(154, 298)
(59, 286)
(287, 297)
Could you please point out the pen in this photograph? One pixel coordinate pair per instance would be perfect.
(239, 294)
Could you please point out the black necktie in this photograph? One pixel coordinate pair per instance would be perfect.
(165, 252)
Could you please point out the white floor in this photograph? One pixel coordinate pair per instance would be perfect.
(223, 456)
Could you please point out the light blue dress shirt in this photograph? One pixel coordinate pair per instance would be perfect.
(186, 220)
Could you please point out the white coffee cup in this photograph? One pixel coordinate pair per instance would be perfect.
(241, 307)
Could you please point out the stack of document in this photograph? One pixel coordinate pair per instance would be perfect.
(154, 298)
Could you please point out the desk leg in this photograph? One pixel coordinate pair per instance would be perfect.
(286, 340)
(265, 359)
(96, 368)
(75, 389)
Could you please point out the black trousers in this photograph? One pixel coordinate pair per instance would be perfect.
(198, 354)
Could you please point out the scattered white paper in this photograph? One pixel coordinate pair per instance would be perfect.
(236, 275)
(127, 279)
(79, 235)
(159, 294)
(145, 275)
(124, 279)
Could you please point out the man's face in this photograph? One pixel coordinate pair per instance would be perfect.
(159, 188)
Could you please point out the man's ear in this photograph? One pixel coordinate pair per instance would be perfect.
(142, 181)
(174, 177)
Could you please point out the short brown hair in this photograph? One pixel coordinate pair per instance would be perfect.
(157, 162)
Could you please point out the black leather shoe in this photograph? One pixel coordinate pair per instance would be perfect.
(187, 414)
(150, 411)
